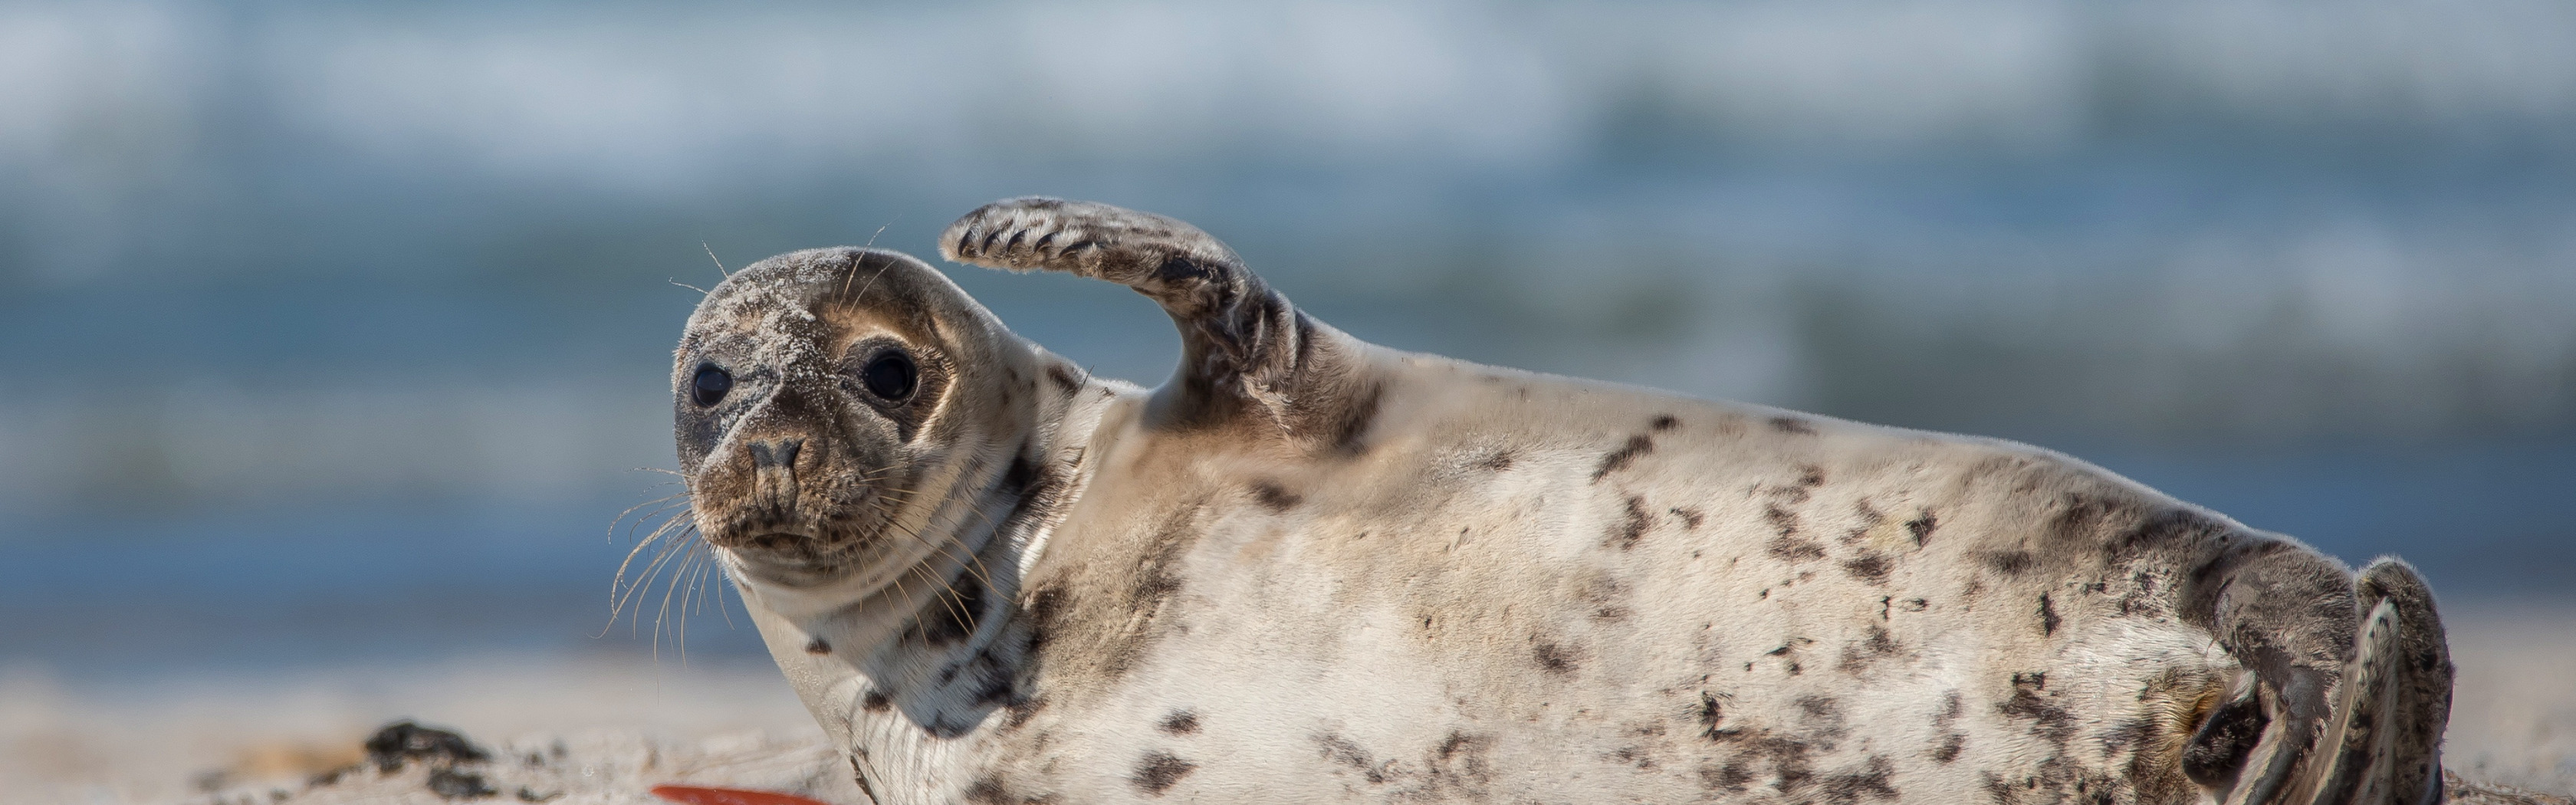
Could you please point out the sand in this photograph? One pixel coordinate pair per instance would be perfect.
(601, 728)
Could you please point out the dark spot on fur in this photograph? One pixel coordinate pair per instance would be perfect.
(2047, 616)
(1791, 424)
(1350, 434)
(1868, 567)
(1016, 480)
(1788, 546)
(1045, 607)
(1794, 549)
(1922, 528)
(1496, 461)
(1664, 423)
(954, 612)
(1064, 379)
(1782, 520)
(875, 701)
(1822, 714)
(1158, 771)
(1342, 751)
(2219, 747)
(1619, 459)
(986, 791)
(1632, 755)
(1731, 777)
(1810, 475)
(2047, 720)
(2011, 563)
(1449, 746)
(1022, 710)
(1996, 788)
(1628, 530)
(1870, 781)
(1555, 658)
(1712, 716)
(1274, 498)
(1914, 605)
(1946, 721)
(1791, 768)
(1857, 656)
(1691, 518)
(1180, 722)
(817, 647)
(1156, 584)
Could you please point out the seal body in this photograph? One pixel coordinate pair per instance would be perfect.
(1309, 569)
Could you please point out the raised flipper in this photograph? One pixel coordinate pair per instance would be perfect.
(1246, 353)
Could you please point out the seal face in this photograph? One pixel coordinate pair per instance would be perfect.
(1311, 569)
(810, 410)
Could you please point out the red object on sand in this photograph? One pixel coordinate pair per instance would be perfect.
(702, 795)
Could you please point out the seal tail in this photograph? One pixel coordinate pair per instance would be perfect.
(2379, 742)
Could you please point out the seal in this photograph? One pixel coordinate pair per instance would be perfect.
(1310, 569)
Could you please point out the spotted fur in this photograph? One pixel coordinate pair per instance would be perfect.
(1309, 569)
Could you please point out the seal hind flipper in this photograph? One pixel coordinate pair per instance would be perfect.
(1244, 349)
(2384, 744)
(2424, 675)
(2366, 730)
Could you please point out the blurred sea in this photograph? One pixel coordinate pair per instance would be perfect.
(340, 330)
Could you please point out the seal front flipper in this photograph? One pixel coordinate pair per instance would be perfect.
(1246, 353)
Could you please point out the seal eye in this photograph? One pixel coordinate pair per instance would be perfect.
(709, 387)
(890, 375)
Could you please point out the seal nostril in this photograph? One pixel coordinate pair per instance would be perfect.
(766, 454)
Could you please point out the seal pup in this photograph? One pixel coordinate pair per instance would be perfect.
(1310, 569)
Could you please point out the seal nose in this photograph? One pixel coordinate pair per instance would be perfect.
(779, 454)
(773, 469)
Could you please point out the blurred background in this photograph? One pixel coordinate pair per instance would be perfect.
(337, 334)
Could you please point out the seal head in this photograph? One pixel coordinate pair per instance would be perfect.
(830, 404)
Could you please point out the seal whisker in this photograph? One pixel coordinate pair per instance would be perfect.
(663, 616)
(658, 533)
(711, 255)
(617, 599)
(621, 516)
(947, 595)
(983, 573)
(647, 517)
(680, 546)
(974, 561)
(717, 591)
(690, 561)
(939, 549)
